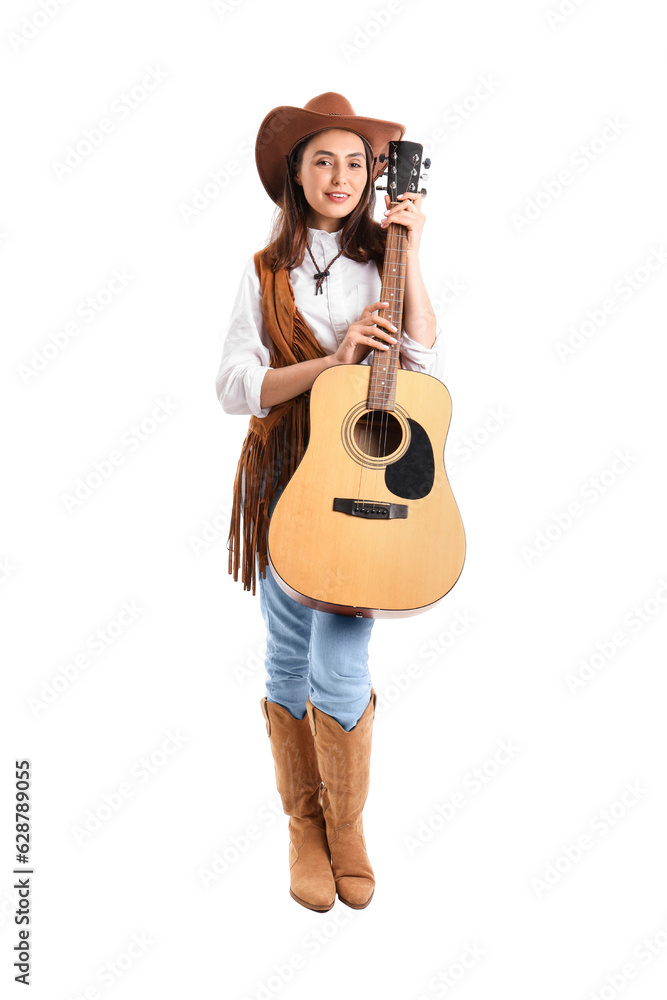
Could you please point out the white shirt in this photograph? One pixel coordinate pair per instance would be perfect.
(246, 354)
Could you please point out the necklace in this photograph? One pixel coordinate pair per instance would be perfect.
(321, 275)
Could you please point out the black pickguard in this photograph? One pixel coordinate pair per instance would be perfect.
(411, 477)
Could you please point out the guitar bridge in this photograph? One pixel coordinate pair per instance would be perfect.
(370, 508)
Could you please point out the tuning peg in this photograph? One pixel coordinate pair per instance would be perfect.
(427, 162)
(423, 177)
(423, 192)
(381, 158)
(380, 187)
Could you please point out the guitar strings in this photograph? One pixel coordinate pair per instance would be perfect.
(395, 237)
(376, 432)
(376, 420)
(396, 249)
(378, 427)
(384, 416)
(369, 418)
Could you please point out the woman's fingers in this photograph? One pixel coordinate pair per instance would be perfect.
(358, 335)
(384, 327)
(373, 307)
(386, 335)
(368, 317)
(374, 342)
(379, 332)
(375, 339)
(381, 321)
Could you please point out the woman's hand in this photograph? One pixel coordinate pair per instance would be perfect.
(361, 336)
(280, 384)
(407, 213)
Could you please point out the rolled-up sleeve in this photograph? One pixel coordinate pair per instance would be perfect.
(416, 357)
(246, 356)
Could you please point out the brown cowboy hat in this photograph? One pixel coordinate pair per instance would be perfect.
(284, 127)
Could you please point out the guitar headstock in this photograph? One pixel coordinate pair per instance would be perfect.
(403, 173)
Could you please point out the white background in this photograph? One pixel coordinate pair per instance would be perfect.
(538, 598)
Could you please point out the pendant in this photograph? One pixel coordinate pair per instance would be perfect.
(319, 280)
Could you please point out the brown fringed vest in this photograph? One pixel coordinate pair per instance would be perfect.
(277, 440)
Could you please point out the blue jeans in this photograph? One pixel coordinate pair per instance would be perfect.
(316, 655)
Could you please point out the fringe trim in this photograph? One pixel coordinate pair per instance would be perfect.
(277, 441)
(256, 486)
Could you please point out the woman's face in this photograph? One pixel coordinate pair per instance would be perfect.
(333, 163)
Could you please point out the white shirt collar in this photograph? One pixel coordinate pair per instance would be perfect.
(324, 237)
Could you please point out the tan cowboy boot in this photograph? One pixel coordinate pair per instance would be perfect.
(300, 786)
(344, 761)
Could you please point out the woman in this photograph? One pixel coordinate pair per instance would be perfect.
(309, 300)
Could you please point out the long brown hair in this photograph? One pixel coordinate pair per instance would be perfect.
(362, 238)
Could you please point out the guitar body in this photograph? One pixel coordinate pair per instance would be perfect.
(368, 524)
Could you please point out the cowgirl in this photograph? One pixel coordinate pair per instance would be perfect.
(309, 300)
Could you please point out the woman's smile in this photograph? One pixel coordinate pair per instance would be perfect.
(333, 157)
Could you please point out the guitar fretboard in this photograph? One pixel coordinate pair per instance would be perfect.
(385, 364)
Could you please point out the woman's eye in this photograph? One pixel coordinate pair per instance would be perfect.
(328, 162)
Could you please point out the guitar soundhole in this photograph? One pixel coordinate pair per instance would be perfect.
(377, 433)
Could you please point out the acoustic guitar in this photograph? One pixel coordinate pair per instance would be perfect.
(368, 524)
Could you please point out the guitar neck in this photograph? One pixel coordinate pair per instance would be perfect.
(385, 364)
